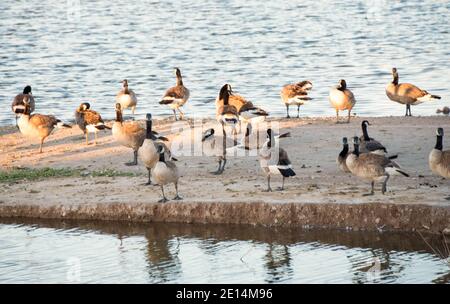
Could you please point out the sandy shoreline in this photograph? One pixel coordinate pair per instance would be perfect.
(313, 148)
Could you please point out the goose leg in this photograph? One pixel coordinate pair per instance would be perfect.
(372, 191)
(269, 189)
(177, 197)
(132, 109)
(287, 111)
(149, 182)
(175, 114)
(409, 108)
(181, 114)
(217, 172)
(348, 119)
(164, 199)
(87, 138)
(134, 162)
(282, 185)
(95, 138)
(223, 165)
(337, 116)
(384, 187)
(40, 146)
(298, 111)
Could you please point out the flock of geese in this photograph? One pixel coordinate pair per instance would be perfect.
(368, 160)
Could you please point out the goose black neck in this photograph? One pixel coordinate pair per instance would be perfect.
(179, 79)
(344, 151)
(125, 89)
(365, 133)
(395, 80)
(162, 158)
(356, 149)
(119, 116)
(148, 133)
(224, 95)
(438, 145)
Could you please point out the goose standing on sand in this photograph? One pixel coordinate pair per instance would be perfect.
(373, 167)
(226, 114)
(342, 157)
(165, 172)
(129, 134)
(176, 96)
(126, 97)
(274, 160)
(406, 93)
(295, 94)
(368, 144)
(341, 99)
(89, 121)
(148, 153)
(37, 125)
(216, 146)
(439, 160)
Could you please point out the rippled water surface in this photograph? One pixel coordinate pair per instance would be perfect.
(62, 252)
(77, 51)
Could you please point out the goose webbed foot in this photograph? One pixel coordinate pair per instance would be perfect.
(132, 163)
(163, 200)
(280, 188)
(267, 190)
(178, 198)
(369, 194)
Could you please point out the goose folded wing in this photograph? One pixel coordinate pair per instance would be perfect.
(92, 117)
(43, 121)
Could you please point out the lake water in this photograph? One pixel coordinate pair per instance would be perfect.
(91, 252)
(76, 51)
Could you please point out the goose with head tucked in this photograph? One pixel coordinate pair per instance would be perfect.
(341, 98)
(126, 97)
(175, 97)
(37, 125)
(129, 134)
(406, 93)
(165, 172)
(439, 159)
(89, 121)
(295, 94)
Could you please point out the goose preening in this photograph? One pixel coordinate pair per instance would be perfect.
(89, 121)
(226, 114)
(148, 152)
(295, 94)
(37, 125)
(274, 160)
(20, 100)
(341, 99)
(439, 160)
(165, 172)
(373, 167)
(342, 157)
(444, 110)
(126, 97)
(216, 146)
(176, 96)
(129, 134)
(406, 93)
(368, 144)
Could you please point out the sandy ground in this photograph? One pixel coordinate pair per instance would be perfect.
(313, 148)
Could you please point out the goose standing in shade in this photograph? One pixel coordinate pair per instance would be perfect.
(226, 114)
(126, 97)
(89, 121)
(295, 94)
(439, 160)
(216, 146)
(274, 160)
(342, 157)
(368, 144)
(341, 99)
(373, 167)
(406, 93)
(165, 172)
(148, 152)
(129, 134)
(176, 96)
(37, 125)
(20, 100)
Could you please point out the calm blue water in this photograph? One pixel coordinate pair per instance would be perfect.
(75, 51)
(88, 252)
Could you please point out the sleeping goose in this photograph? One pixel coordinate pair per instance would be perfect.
(341, 99)
(406, 93)
(37, 125)
(129, 134)
(295, 94)
(165, 172)
(274, 160)
(226, 114)
(216, 146)
(176, 96)
(439, 160)
(368, 144)
(126, 97)
(148, 153)
(89, 121)
(373, 167)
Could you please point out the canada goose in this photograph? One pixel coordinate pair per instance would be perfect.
(439, 160)
(295, 94)
(274, 160)
(176, 96)
(226, 114)
(368, 144)
(248, 113)
(129, 134)
(37, 125)
(406, 93)
(165, 172)
(216, 146)
(342, 157)
(444, 110)
(341, 99)
(89, 121)
(251, 141)
(373, 167)
(148, 153)
(20, 99)
(126, 97)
